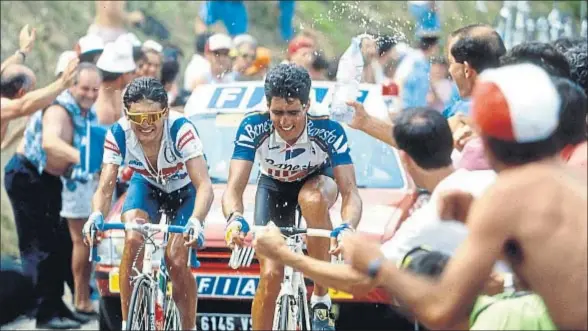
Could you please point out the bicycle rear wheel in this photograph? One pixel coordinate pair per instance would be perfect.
(172, 320)
(141, 314)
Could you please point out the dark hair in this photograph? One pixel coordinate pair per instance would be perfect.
(572, 118)
(169, 70)
(426, 263)
(424, 134)
(91, 57)
(480, 51)
(287, 81)
(541, 54)
(108, 76)
(385, 44)
(514, 153)
(332, 69)
(200, 43)
(11, 84)
(577, 57)
(144, 88)
(138, 54)
(426, 43)
(319, 62)
(564, 43)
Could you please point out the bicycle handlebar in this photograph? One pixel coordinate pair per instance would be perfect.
(292, 231)
(102, 226)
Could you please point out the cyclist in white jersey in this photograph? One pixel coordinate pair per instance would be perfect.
(171, 176)
(304, 161)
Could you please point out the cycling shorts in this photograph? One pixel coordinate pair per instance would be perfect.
(277, 201)
(177, 205)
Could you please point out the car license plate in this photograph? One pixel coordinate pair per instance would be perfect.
(113, 284)
(223, 322)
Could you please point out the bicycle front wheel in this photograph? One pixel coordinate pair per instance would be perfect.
(141, 314)
(284, 320)
(172, 317)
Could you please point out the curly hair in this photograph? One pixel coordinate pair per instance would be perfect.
(572, 126)
(144, 88)
(540, 54)
(577, 57)
(288, 81)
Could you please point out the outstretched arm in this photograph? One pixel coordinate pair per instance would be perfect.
(445, 302)
(375, 127)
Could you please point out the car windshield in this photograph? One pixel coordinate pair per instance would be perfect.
(376, 164)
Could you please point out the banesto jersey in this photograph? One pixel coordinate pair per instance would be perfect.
(322, 143)
(180, 143)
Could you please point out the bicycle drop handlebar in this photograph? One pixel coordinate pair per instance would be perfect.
(148, 228)
(293, 231)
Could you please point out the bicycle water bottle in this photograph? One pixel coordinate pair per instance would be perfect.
(349, 74)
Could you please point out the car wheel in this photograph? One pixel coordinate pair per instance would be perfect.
(109, 314)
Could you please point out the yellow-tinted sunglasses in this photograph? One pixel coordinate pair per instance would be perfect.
(149, 118)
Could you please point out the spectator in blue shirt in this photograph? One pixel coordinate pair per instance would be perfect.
(415, 85)
(233, 14)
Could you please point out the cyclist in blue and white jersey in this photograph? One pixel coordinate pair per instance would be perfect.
(304, 162)
(171, 176)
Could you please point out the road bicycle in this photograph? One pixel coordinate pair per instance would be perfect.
(291, 312)
(151, 306)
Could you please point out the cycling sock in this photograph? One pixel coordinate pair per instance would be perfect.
(124, 325)
(325, 299)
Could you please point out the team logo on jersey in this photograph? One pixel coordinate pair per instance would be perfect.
(111, 146)
(185, 138)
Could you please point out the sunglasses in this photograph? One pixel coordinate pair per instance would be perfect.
(224, 52)
(148, 118)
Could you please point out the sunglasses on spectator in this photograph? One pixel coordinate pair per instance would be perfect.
(148, 118)
(247, 56)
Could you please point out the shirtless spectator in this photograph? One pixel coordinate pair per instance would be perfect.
(117, 67)
(48, 154)
(217, 52)
(199, 64)
(16, 100)
(534, 215)
(111, 20)
(243, 53)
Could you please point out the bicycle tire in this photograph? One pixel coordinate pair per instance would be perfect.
(172, 320)
(141, 284)
(301, 318)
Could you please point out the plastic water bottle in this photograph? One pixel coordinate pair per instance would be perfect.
(349, 74)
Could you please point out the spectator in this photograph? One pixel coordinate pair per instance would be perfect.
(16, 100)
(258, 69)
(199, 65)
(45, 156)
(150, 62)
(369, 51)
(441, 87)
(217, 52)
(571, 131)
(243, 54)
(425, 15)
(89, 48)
(118, 68)
(300, 52)
(78, 104)
(563, 44)
(319, 67)
(63, 60)
(540, 54)
(169, 71)
(385, 46)
(412, 74)
(232, 13)
(287, 10)
(332, 70)
(111, 20)
(471, 50)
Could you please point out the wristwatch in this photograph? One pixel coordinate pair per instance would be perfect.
(375, 266)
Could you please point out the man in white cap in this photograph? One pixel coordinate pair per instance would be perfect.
(217, 52)
(534, 216)
(118, 68)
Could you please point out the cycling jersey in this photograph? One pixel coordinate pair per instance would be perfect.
(180, 143)
(322, 142)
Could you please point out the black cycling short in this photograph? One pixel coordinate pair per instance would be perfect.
(277, 201)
